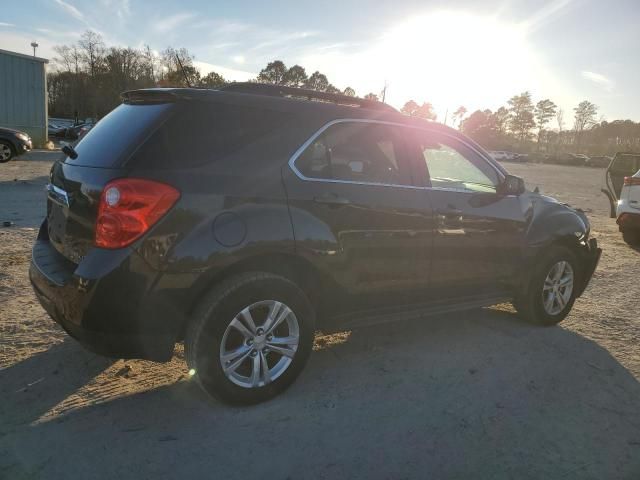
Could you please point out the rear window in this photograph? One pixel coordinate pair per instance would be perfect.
(110, 142)
(201, 133)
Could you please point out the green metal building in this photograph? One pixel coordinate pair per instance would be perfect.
(23, 94)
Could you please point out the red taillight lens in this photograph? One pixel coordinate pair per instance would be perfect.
(631, 181)
(128, 208)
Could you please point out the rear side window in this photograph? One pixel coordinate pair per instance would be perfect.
(356, 151)
(204, 132)
(114, 137)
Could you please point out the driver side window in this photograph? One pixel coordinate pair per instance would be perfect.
(452, 165)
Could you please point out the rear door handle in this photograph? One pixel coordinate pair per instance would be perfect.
(332, 199)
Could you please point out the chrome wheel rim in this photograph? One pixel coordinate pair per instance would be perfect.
(5, 152)
(558, 287)
(259, 344)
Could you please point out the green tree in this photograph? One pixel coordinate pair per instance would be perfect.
(349, 92)
(317, 81)
(371, 96)
(543, 112)
(409, 108)
(212, 80)
(459, 114)
(501, 120)
(425, 110)
(274, 73)
(332, 89)
(521, 119)
(481, 126)
(295, 76)
(584, 117)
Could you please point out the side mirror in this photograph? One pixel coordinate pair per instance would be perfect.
(511, 185)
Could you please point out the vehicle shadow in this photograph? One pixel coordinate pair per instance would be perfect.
(33, 386)
(468, 395)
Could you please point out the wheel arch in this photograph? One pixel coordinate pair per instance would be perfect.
(288, 265)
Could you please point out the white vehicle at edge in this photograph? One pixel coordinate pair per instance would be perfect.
(628, 210)
(622, 180)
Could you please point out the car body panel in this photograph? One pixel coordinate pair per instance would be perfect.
(387, 245)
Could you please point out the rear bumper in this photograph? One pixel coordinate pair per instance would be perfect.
(112, 310)
(628, 221)
(590, 258)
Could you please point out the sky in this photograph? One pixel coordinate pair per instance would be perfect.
(475, 53)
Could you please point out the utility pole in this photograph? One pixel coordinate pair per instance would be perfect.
(384, 91)
(35, 45)
(446, 115)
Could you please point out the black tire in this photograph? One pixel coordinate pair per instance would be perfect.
(632, 237)
(214, 314)
(12, 151)
(530, 305)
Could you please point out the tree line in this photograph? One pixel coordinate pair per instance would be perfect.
(90, 76)
(542, 127)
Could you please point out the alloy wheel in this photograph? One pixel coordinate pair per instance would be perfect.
(558, 287)
(5, 152)
(259, 344)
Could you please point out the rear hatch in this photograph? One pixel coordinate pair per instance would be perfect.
(73, 194)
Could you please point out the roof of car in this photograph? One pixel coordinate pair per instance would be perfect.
(288, 98)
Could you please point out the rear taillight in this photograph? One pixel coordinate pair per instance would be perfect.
(128, 208)
(631, 181)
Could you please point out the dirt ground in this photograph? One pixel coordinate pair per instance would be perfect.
(468, 395)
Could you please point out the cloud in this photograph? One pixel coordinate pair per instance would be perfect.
(70, 9)
(602, 81)
(4, 24)
(170, 23)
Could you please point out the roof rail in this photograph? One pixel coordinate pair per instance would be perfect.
(293, 92)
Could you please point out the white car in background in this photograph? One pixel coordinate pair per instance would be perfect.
(502, 155)
(628, 210)
(622, 180)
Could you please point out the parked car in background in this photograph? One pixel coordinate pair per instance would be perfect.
(13, 143)
(599, 161)
(84, 129)
(285, 212)
(622, 188)
(571, 159)
(501, 155)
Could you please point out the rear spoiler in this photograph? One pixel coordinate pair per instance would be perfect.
(150, 96)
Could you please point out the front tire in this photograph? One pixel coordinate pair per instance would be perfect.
(6, 151)
(250, 338)
(551, 290)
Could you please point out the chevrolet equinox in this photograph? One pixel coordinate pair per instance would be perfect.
(239, 219)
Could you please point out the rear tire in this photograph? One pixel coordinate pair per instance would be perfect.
(547, 300)
(6, 151)
(632, 237)
(226, 346)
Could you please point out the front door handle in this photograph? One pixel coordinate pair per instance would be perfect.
(332, 199)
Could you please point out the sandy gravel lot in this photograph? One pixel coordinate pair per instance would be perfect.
(471, 395)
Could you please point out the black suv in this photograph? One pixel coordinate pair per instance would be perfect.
(239, 219)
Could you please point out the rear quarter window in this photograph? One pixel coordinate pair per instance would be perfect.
(201, 133)
(118, 134)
